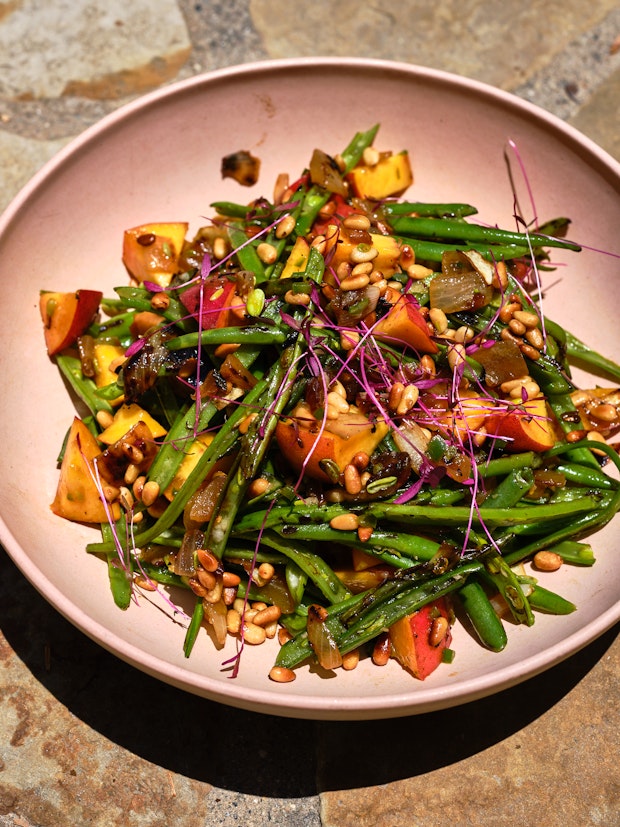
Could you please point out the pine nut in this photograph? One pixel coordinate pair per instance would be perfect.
(507, 311)
(526, 317)
(364, 533)
(138, 486)
(361, 460)
(345, 522)
(439, 629)
(233, 622)
(456, 356)
(207, 560)
(300, 299)
(382, 649)
(266, 572)
(350, 660)
(253, 634)
(104, 418)
(126, 498)
(362, 253)
(343, 271)
(356, 221)
(339, 388)
(535, 338)
(229, 595)
(352, 481)
(575, 436)
(266, 616)
(511, 384)
(370, 156)
(438, 319)
(285, 227)
(366, 269)
(150, 493)
(319, 243)
(529, 351)
(408, 400)
(131, 474)
(517, 327)
(580, 398)
(395, 395)
(595, 436)
(407, 256)
(336, 401)
(160, 301)
(355, 282)
(605, 412)
(258, 487)
(418, 271)
(267, 253)
(282, 674)
(222, 351)
(547, 561)
(349, 339)
(230, 579)
(280, 188)
(428, 365)
(464, 334)
(284, 636)
(206, 579)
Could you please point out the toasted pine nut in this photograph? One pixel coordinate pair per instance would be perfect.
(126, 498)
(366, 269)
(526, 317)
(464, 334)
(230, 579)
(229, 594)
(282, 674)
(438, 319)
(507, 310)
(280, 187)
(547, 561)
(439, 629)
(301, 299)
(364, 532)
(267, 253)
(150, 492)
(104, 418)
(605, 412)
(266, 616)
(407, 400)
(428, 365)
(233, 621)
(131, 474)
(337, 387)
(350, 660)
(257, 487)
(511, 384)
(370, 156)
(382, 649)
(595, 436)
(352, 481)
(575, 436)
(349, 339)
(456, 355)
(343, 271)
(266, 572)
(356, 221)
(345, 522)
(361, 460)
(320, 243)
(395, 395)
(338, 402)
(529, 351)
(285, 227)
(362, 253)
(517, 327)
(284, 636)
(207, 559)
(220, 248)
(535, 338)
(206, 579)
(418, 271)
(253, 634)
(355, 282)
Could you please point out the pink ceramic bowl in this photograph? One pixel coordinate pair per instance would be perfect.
(159, 159)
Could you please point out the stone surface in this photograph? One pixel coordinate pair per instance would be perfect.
(85, 739)
(499, 43)
(90, 49)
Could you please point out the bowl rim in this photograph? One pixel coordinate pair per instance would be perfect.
(315, 705)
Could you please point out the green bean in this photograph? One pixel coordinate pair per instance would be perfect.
(246, 253)
(500, 466)
(542, 600)
(352, 154)
(433, 250)
(312, 565)
(511, 489)
(84, 388)
(586, 475)
(194, 627)
(450, 229)
(427, 210)
(572, 551)
(140, 299)
(255, 335)
(585, 356)
(506, 582)
(231, 210)
(119, 572)
(482, 615)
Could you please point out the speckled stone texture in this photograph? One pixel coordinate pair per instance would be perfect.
(87, 740)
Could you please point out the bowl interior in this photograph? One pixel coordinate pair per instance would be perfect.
(159, 160)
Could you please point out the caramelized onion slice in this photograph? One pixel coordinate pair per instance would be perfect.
(322, 640)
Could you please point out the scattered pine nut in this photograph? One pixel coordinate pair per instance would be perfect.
(282, 674)
(547, 561)
(345, 522)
